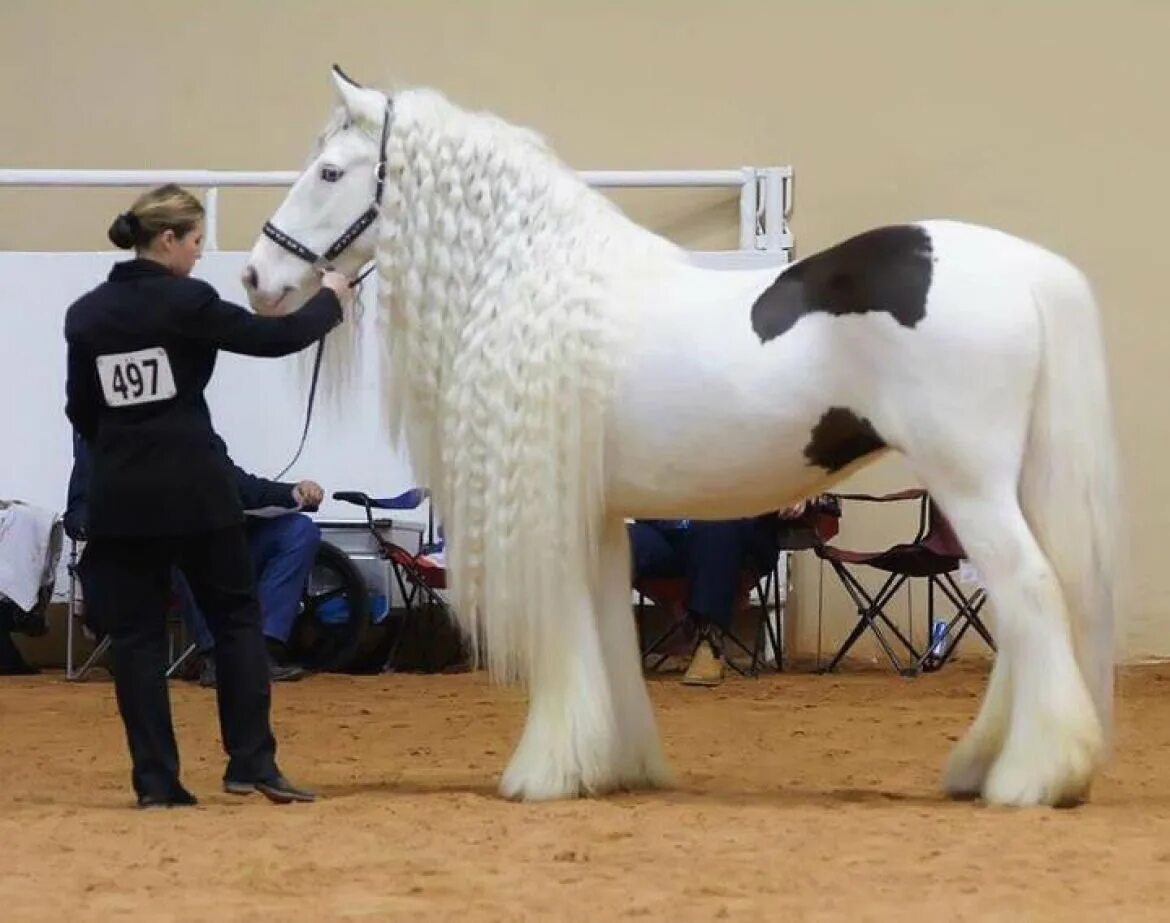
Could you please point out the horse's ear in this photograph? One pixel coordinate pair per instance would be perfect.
(340, 77)
(363, 104)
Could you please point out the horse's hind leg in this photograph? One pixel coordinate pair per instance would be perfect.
(639, 759)
(1053, 741)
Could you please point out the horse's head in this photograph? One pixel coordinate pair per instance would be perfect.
(329, 216)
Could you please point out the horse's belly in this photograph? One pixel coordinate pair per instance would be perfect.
(707, 427)
(650, 481)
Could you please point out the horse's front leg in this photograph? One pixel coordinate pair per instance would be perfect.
(640, 761)
(571, 741)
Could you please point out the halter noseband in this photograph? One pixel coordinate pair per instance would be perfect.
(354, 231)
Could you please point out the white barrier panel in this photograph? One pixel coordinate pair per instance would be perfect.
(257, 405)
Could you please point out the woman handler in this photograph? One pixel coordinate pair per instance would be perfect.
(141, 349)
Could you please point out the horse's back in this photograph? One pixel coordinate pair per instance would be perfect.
(901, 272)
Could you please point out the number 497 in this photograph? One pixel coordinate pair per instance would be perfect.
(131, 382)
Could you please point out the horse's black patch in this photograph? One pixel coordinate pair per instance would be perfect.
(887, 269)
(840, 438)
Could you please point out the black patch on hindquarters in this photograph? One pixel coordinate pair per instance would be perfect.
(840, 438)
(887, 269)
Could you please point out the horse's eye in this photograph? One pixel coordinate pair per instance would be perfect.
(331, 174)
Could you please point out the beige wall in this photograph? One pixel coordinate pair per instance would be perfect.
(1046, 119)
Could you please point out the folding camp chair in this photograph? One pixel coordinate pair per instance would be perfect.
(75, 624)
(934, 554)
(421, 577)
(767, 590)
(669, 593)
(179, 651)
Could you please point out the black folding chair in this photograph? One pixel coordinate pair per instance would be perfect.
(934, 555)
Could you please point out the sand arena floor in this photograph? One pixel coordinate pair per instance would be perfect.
(799, 797)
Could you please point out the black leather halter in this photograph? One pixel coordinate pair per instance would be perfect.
(350, 234)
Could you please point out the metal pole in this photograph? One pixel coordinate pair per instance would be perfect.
(225, 178)
(773, 208)
(748, 205)
(211, 219)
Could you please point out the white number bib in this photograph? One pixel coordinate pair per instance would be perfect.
(141, 377)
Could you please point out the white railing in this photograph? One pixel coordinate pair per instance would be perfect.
(765, 193)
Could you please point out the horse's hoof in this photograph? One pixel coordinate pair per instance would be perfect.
(1052, 778)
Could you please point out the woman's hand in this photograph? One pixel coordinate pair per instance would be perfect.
(337, 282)
(795, 511)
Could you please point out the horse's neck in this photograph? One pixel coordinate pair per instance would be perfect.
(535, 203)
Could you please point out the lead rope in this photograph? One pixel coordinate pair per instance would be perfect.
(313, 381)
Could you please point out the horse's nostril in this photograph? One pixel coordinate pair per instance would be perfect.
(251, 277)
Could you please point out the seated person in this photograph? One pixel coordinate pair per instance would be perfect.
(283, 549)
(711, 555)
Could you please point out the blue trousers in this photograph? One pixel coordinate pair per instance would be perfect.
(283, 549)
(710, 554)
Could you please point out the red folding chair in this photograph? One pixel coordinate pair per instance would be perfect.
(420, 575)
(934, 555)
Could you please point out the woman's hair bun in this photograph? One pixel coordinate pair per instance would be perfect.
(167, 208)
(124, 232)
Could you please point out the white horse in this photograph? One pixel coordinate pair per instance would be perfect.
(556, 368)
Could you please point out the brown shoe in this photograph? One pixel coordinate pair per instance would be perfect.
(706, 667)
